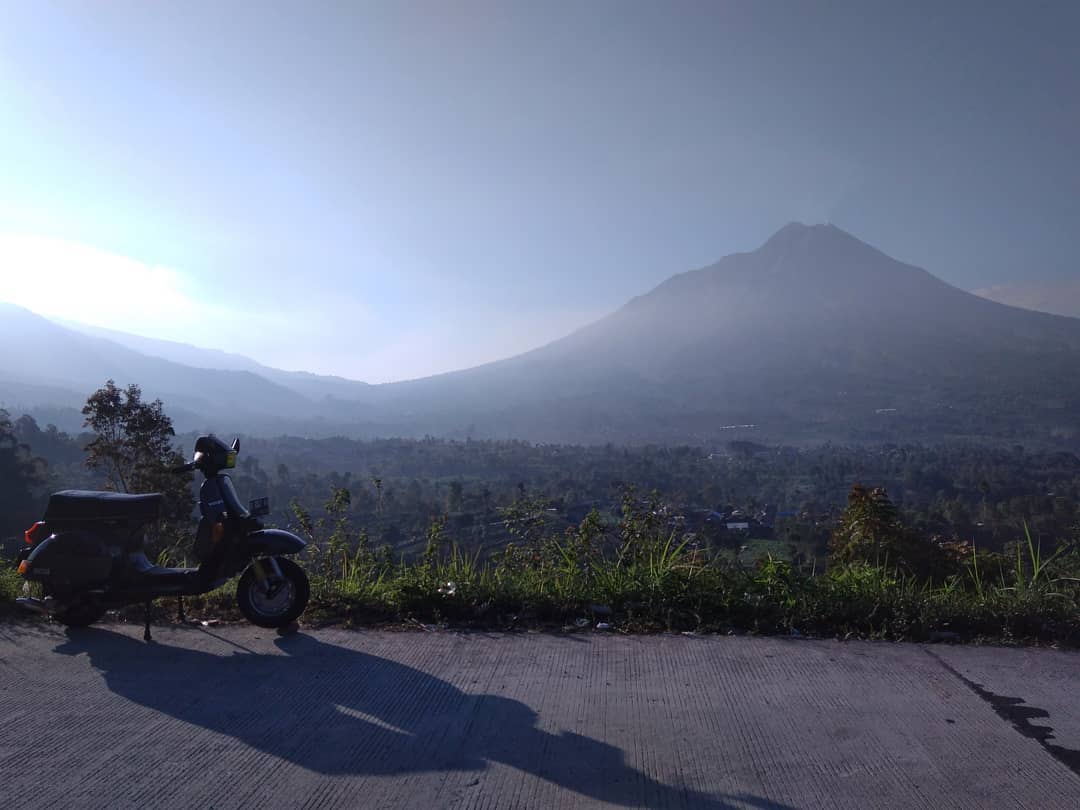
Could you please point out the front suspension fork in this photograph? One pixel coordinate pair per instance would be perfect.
(266, 579)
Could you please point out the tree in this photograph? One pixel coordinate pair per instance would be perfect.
(21, 475)
(377, 482)
(133, 447)
(453, 500)
(868, 528)
(50, 443)
(871, 531)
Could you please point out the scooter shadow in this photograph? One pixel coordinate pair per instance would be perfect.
(336, 711)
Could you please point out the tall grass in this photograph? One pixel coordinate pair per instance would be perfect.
(10, 585)
(642, 575)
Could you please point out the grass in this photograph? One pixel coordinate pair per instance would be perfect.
(753, 549)
(642, 577)
(652, 580)
(10, 586)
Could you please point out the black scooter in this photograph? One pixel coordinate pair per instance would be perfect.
(88, 551)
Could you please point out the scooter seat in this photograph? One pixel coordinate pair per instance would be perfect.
(80, 505)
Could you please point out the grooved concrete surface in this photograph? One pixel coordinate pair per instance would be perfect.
(237, 717)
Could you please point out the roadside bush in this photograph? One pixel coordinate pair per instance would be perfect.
(10, 585)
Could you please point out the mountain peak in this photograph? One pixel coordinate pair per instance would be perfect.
(823, 248)
(798, 232)
(795, 227)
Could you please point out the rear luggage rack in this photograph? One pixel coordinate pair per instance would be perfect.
(32, 603)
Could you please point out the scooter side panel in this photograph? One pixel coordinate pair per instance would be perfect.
(71, 560)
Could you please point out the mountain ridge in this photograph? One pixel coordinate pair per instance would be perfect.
(1054, 297)
(815, 334)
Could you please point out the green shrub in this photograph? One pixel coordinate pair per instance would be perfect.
(10, 585)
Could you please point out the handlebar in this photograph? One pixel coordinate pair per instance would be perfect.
(183, 468)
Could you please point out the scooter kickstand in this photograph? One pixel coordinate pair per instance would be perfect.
(146, 631)
(180, 610)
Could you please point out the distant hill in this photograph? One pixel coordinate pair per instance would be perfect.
(46, 366)
(315, 386)
(814, 335)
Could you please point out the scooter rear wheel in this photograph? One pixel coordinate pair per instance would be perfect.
(277, 610)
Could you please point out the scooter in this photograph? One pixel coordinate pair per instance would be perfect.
(88, 551)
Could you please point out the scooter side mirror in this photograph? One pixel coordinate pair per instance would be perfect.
(236, 445)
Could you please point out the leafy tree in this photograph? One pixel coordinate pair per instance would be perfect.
(377, 482)
(133, 447)
(53, 445)
(453, 500)
(525, 519)
(869, 528)
(21, 475)
(871, 531)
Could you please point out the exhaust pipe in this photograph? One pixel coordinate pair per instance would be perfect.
(34, 604)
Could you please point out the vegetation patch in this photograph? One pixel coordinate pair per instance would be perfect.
(642, 576)
(10, 587)
(637, 565)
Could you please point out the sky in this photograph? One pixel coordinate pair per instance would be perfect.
(394, 189)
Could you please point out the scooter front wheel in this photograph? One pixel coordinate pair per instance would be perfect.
(279, 604)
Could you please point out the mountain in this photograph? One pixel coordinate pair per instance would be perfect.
(1054, 297)
(815, 335)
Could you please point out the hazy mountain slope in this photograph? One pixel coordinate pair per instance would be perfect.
(48, 357)
(314, 386)
(814, 335)
(173, 351)
(805, 290)
(812, 332)
(1055, 297)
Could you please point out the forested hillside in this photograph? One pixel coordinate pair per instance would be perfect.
(888, 541)
(787, 496)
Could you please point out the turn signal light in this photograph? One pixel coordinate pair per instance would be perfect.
(34, 532)
(24, 568)
(218, 531)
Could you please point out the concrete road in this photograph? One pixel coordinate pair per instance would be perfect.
(237, 717)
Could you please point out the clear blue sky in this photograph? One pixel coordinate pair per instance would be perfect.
(386, 190)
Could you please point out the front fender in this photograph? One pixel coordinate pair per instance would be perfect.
(271, 542)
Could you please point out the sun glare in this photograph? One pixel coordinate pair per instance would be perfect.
(77, 282)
